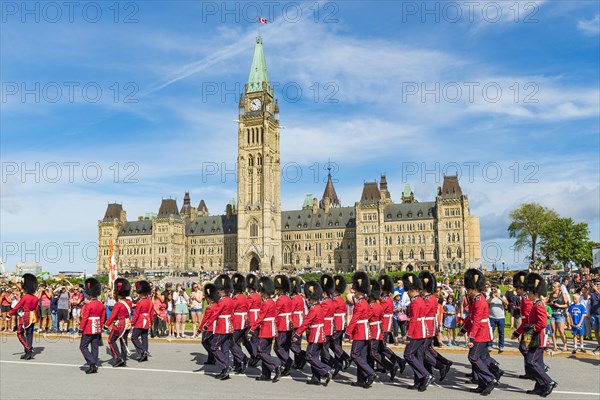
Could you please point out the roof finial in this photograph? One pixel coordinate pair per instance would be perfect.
(329, 167)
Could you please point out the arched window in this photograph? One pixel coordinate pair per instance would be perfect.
(329, 259)
(340, 259)
(366, 256)
(449, 253)
(449, 238)
(453, 237)
(422, 254)
(400, 255)
(250, 160)
(259, 160)
(307, 260)
(159, 262)
(411, 255)
(388, 256)
(458, 253)
(374, 256)
(458, 237)
(253, 229)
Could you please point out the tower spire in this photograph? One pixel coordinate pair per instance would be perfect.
(258, 71)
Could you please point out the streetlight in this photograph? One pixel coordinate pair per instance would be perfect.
(503, 266)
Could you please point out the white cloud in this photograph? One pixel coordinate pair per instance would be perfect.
(590, 27)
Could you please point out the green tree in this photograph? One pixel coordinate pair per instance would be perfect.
(585, 259)
(526, 225)
(563, 240)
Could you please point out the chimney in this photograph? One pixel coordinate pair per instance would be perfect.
(326, 204)
(315, 206)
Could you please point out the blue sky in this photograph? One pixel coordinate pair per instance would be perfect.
(136, 102)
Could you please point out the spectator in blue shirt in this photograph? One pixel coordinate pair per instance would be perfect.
(592, 293)
(576, 314)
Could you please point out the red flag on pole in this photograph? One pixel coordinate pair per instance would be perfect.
(262, 20)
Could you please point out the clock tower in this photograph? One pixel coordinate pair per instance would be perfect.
(259, 204)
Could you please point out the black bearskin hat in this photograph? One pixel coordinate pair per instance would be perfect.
(295, 284)
(252, 281)
(411, 282)
(536, 284)
(386, 283)
(361, 283)
(92, 287)
(327, 284)
(239, 282)
(266, 285)
(143, 287)
(474, 279)
(313, 290)
(428, 280)
(29, 283)
(122, 287)
(211, 292)
(282, 282)
(375, 290)
(223, 282)
(519, 280)
(340, 283)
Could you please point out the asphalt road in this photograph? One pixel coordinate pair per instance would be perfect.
(175, 371)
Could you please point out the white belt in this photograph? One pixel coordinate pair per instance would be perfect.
(287, 318)
(343, 315)
(378, 323)
(365, 322)
(243, 315)
(318, 327)
(301, 315)
(227, 322)
(485, 320)
(423, 325)
(255, 311)
(389, 325)
(95, 323)
(272, 320)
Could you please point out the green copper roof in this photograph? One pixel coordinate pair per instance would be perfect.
(308, 201)
(407, 190)
(258, 71)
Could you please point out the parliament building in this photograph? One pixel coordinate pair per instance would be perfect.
(254, 234)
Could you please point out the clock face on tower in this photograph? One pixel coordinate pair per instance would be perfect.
(255, 104)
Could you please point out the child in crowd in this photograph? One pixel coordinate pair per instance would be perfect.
(450, 321)
(576, 314)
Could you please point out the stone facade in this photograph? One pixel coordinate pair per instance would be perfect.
(374, 234)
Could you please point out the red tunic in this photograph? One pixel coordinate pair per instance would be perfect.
(526, 306)
(339, 316)
(93, 315)
(431, 310)
(477, 323)
(315, 323)
(284, 313)
(538, 317)
(387, 303)
(298, 310)
(143, 314)
(29, 305)
(254, 305)
(358, 328)
(222, 314)
(240, 312)
(208, 313)
(417, 311)
(120, 316)
(375, 321)
(266, 320)
(329, 310)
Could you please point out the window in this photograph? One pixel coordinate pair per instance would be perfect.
(366, 256)
(411, 254)
(458, 253)
(374, 255)
(400, 255)
(388, 256)
(253, 229)
(448, 253)
(422, 254)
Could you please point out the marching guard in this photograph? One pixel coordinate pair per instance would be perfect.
(314, 323)
(93, 316)
(433, 359)
(339, 320)
(328, 286)
(298, 312)
(119, 322)
(284, 308)
(27, 309)
(265, 323)
(358, 330)
(519, 280)
(536, 337)
(143, 315)
(386, 284)
(212, 297)
(477, 325)
(254, 304)
(223, 328)
(240, 326)
(375, 325)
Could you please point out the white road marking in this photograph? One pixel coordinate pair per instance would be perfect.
(255, 376)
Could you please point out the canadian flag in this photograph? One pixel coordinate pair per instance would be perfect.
(262, 20)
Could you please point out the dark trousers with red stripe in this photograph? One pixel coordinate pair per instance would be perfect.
(326, 355)
(252, 344)
(296, 348)
(523, 349)
(114, 347)
(317, 367)
(283, 343)
(359, 353)
(238, 355)
(207, 339)
(25, 336)
(141, 345)
(220, 348)
(336, 345)
(480, 361)
(269, 363)
(433, 359)
(535, 361)
(387, 352)
(91, 354)
(376, 355)
(414, 354)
